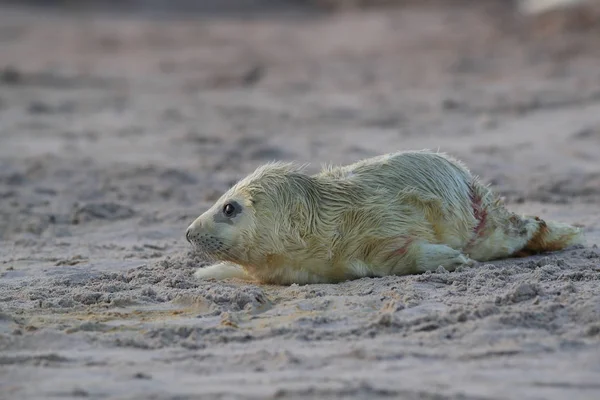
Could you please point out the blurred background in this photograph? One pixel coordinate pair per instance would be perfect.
(122, 121)
(146, 110)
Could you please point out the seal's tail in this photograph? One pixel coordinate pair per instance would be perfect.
(552, 236)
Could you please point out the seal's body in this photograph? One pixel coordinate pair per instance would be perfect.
(394, 214)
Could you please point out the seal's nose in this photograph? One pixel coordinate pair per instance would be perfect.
(188, 236)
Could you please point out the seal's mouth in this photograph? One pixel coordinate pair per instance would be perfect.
(206, 242)
(211, 247)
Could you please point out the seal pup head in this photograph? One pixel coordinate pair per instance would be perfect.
(257, 218)
(219, 233)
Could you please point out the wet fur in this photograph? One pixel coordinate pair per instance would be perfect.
(394, 214)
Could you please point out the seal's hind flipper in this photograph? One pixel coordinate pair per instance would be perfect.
(551, 236)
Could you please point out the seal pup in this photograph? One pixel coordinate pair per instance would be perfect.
(394, 214)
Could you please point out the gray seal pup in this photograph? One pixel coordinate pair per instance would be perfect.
(394, 214)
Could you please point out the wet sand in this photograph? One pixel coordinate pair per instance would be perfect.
(116, 131)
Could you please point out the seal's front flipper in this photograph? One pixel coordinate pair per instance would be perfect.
(220, 271)
(430, 256)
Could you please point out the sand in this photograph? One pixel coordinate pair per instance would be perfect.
(116, 131)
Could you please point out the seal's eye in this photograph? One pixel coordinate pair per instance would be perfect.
(228, 209)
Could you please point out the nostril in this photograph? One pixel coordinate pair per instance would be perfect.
(188, 236)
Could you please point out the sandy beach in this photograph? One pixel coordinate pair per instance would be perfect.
(117, 129)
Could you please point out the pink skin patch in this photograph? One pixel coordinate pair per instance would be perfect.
(402, 250)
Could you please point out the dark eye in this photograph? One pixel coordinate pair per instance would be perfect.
(228, 209)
